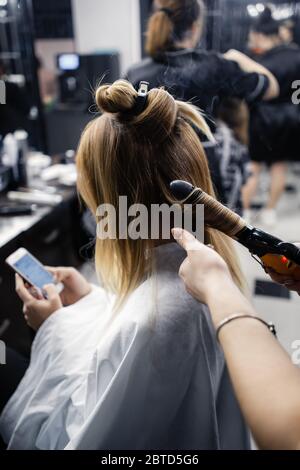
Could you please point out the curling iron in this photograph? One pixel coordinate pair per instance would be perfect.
(282, 257)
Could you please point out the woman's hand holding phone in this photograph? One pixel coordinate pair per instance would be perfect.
(75, 285)
(36, 308)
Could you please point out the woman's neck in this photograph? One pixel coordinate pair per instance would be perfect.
(185, 44)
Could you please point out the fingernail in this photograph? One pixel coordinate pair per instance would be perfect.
(177, 233)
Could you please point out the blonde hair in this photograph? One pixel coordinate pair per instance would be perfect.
(171, 22)
(137, 156)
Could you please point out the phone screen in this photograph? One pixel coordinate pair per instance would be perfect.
(33, 272)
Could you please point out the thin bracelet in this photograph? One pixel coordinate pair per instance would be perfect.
(227, 320)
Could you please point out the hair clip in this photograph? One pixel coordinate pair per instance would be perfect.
(141, 99)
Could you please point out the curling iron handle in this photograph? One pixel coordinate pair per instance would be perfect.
(282, 257)
(281, 265)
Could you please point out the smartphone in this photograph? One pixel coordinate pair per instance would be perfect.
(31, 270)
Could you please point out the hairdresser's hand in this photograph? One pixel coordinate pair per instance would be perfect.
(240, 58)
(203, 271)
(233, 54)
(248, 65)
(75, 285)
(287, 281)
(37, 309)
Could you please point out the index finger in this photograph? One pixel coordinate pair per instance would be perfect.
(59, 273)
(21, 290)
(185, 239)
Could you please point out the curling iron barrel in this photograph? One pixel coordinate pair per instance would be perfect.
(282, 257)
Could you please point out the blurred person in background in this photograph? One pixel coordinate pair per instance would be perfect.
(286, 31)
(274, 126)
(190, 73)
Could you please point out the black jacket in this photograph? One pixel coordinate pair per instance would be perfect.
(199, 76)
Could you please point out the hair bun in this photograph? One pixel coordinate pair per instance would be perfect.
(116, 98)
(155, 122)
(267, 15)
(265, 23)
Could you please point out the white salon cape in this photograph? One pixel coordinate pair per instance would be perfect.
(151, 377)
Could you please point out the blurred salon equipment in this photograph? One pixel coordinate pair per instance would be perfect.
(18, 69)
(79, 74)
